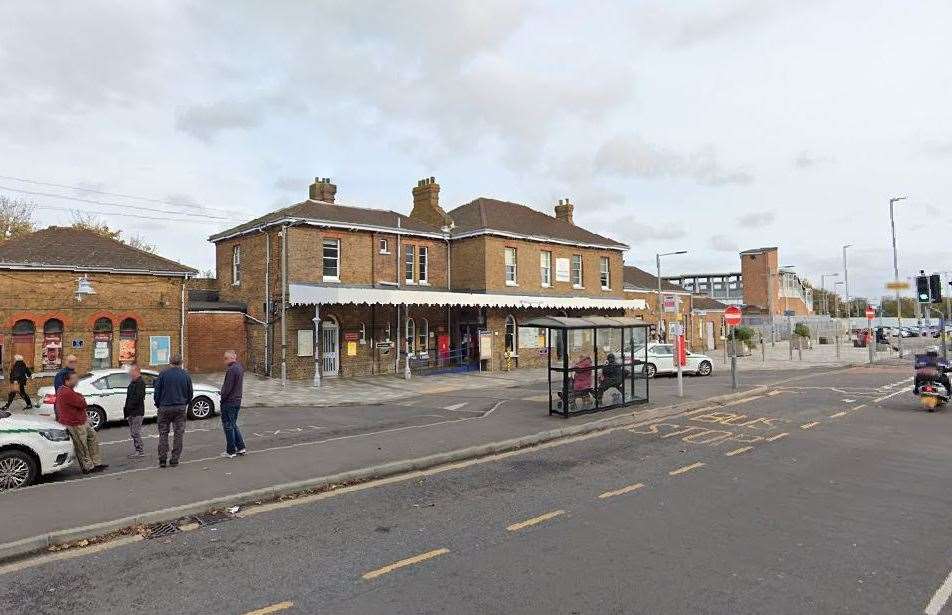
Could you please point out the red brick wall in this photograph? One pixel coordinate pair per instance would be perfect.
(210, 334)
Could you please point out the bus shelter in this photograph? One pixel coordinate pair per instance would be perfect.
(595, 362)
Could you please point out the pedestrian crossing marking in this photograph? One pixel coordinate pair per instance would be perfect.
(622, 491)
(738, 451)
(687, 468)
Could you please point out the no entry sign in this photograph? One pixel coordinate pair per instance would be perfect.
(870, 312)
(732, 315)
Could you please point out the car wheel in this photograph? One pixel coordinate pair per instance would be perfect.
(704, 369)
(650, 370)
(201, 408)
(17, 469)
(96, 417)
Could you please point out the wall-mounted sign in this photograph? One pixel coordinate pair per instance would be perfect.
(485, 345)
(562, 270)
(77, 343)
(160, 349)
(351, 349)
(351, 336)
(670, 303)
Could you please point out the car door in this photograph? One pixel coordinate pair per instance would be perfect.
(664, 354)
(692, 362)
(117, 386)
(149, 378)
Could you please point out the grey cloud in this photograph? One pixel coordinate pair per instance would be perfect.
(757, 219)
(806, 160)
(631, 156)
(938, 148)
(291, 184)
(645, 232)
(205, 122)
(723, 243)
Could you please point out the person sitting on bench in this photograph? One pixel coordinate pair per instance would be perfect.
(613, 376)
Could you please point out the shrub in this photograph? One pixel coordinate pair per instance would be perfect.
(743, 334)
(801, 330)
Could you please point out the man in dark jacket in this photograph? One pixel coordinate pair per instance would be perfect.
(19, 374)
(134, 410)
(231, 404)
(173, 394)
(69, 364)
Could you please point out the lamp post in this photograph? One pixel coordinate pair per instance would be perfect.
(846, 280)
(660, 307)
(826, 298)
(892, 226)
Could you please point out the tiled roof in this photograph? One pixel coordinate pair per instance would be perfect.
(501, 216)
(642, 280)
(67, 248)
(700, 302)
(318, 211)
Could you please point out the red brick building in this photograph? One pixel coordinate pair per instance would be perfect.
(136, 312)
(340, 290)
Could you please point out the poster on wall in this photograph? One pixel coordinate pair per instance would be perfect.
(52, 352)
(127, 350)
(101, 350)
(562, 270)
(160, 348)
(485, 345)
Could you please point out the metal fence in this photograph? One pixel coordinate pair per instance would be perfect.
(775, 328)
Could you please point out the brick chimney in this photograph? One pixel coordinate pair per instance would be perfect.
(426, 204)
(322, 190)
(563, 211)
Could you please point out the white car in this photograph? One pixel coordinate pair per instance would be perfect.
(661, 361)
(105, 393)
(30, 447)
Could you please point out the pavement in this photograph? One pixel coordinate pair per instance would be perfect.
(821, 495)
(294, 448)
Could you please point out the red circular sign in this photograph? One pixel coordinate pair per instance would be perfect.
(870, 312)
(732, 315)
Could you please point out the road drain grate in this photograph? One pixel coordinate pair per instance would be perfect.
(213, 518)
(162, 530)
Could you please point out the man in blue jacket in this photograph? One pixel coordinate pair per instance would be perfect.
(173, 394)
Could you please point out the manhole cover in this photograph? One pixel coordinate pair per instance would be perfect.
(162, 530)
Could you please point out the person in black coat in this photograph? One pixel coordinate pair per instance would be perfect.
(134, 410)
(19, 374)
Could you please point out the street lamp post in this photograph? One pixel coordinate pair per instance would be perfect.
(892, 226)
(677, 353)
(826, 298)
(846, 282)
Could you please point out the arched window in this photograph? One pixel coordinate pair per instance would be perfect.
(128, 332)
(102, 343)
(52, 344)
(23, 341)
(410, 334)
(423, 336)
(128, 327)
(511, 335)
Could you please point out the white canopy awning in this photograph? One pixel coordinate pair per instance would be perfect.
(307, 294)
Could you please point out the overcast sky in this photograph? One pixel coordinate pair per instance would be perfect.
(705, 126)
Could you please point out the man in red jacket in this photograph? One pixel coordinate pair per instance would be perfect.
(71, 411)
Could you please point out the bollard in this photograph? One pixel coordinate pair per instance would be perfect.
(836, 339)
(790, 344)
(800, 350)
(763, 352)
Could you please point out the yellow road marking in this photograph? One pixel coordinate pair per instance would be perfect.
(684, 469)
(738, 451)
(838, 414)
(373, 574)
(535, 520)
(776, 437)
(742, 401)
(772, 393)
(274, 608)
(809, 425)
(622, 491)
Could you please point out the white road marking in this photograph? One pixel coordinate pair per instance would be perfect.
(148, 437)
(849, 401)
(885, 397)
(455, 407)
(940, 597)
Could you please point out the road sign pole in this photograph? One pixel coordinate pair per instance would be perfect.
(871, 341)
(733, 358)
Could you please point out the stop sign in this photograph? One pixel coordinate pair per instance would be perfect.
(732, 315)
(870, 312)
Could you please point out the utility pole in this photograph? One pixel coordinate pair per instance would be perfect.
(846, 282)
(892, 226)
(677, 306)
(826, 297)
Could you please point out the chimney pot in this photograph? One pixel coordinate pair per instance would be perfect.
(322, 190)
(564, 211)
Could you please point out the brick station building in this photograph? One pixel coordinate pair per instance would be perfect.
(340, 290)
(136, 314)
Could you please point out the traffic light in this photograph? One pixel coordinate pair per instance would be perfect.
(935, 288)
(923, 292)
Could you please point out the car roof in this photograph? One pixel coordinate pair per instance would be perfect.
(99, 373)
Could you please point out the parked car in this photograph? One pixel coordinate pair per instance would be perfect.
(31, 446)
(105, 393)
(661, 361)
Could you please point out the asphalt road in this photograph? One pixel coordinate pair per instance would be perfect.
(830, 496)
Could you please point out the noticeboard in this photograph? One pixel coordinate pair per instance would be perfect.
(485, 345)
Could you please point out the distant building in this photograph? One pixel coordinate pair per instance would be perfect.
(761, 286)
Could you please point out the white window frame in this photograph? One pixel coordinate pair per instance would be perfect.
(330, 278)
(605, 270)
(236, 265)
(409, 251)
(512, 268)
(383, 245)
(511, 321)
(545, 268)
(423, 332)
(580, 270)
(409, 337)
(423, 265)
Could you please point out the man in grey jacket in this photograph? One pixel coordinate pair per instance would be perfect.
(173, 394)
(231, 404)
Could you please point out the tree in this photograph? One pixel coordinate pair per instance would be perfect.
(16, 217)
(139, 242)
(92, 222)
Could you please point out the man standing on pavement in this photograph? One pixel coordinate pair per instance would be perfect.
(231, 404)
(134, 410)
(69, 364)
(173, 394)
(71, 411)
